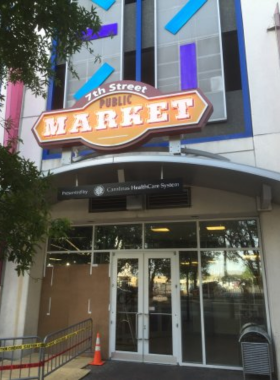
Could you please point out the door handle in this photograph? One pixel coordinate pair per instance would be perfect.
(147, 326)
(137, 326)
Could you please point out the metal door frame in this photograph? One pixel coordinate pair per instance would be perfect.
(143, 257)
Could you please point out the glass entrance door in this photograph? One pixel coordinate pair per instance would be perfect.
(144, 318)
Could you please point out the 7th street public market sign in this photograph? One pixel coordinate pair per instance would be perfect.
(121, 115)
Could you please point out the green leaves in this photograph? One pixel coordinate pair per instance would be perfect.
(24, 210)
(27, 31)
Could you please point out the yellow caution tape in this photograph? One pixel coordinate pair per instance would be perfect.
(21, 347)
(63, 338)
(40, 345)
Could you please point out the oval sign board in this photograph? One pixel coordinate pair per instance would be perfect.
(122, 115)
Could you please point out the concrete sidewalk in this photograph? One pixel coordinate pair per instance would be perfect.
(76, 369)
(117, 370)
(79, 368)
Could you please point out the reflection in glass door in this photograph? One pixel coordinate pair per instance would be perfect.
(144, 311)
(127, 304)
(159, 311)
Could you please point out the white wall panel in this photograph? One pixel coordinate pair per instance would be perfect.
(263, 65)
(267, 151)
(29, 148)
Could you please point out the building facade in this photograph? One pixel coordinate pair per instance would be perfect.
(166, 276)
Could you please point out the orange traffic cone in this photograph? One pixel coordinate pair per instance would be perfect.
(97, 354)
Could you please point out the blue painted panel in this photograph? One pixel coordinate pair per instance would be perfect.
(108, 30)
(50, 156)
(105, 4)
(96, 80)
(188, 66)
(184, 15)
(139, 40)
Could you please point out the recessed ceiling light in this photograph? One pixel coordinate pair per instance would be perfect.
(250, 256)
(216, 228)
(160, 229)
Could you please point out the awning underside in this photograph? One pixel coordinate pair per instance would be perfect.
(200, 172)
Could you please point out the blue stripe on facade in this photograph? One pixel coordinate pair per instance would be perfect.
(105, 4)
(96, 80)
(51, 81)
(50, 156)
(138, 75)
(184, 15)
(45, 153)
(50, 95)
(243, 67)
(200, 140)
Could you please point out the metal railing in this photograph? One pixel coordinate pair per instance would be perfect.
(19, 358)
(64, 345)
(33, 358)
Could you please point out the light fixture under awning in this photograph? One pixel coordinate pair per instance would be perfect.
(215, 228)
(160, 229)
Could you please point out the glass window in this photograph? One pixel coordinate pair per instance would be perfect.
(232, 296)
(118, 237)
(67, 259)
(202, 31)
(229, 234)
(190, 308)
(101, 258)
(160, 306)
(231, 61)
(147, 65)
(59, 87)
(170, 235)
(78, 239)
(127, 304)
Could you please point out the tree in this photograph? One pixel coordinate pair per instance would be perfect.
(31, 34)
(25, 210)
(31, 30)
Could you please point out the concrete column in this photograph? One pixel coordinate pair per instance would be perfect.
(270, 225)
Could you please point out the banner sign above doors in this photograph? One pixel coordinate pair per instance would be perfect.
(120, 188)
(122, 115)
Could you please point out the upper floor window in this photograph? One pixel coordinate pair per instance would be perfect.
(147, 66)
(231, 61)
(58, 87)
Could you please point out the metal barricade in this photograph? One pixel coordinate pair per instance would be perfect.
(64, 345)
(19, 358)
(30, 358)
(256, 351)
